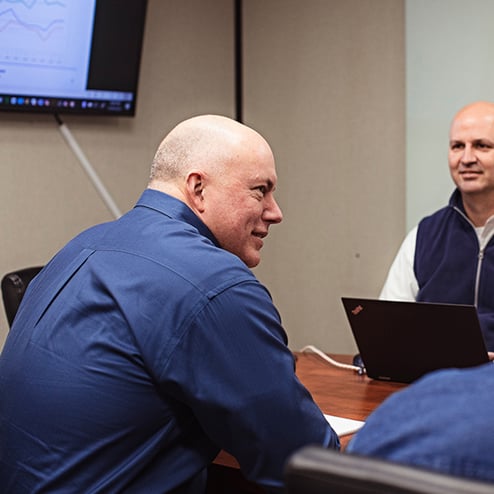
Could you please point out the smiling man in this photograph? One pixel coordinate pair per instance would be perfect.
(147, 344)
(449, 257)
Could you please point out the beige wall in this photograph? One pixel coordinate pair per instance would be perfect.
(324, 82)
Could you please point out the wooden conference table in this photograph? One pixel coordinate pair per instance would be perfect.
(337, 391)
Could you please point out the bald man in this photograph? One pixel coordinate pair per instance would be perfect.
(147, 345)
(449, 257)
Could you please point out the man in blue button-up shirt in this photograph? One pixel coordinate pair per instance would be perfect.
(146, 344)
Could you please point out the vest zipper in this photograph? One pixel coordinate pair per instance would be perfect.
(480, 257)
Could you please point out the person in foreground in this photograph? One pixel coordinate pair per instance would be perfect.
(442, 422)
(449, 257)
(147, 345)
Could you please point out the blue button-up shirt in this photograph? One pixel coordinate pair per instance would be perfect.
(441, 422)
(139, 352)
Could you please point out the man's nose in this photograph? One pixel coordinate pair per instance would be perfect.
(468, 157)
(273, 212)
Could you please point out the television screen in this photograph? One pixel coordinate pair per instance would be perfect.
(70, 56)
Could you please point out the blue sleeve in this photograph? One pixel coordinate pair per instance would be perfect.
(442, 421)
(235, 371)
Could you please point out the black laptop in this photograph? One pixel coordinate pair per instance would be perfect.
(401, 341)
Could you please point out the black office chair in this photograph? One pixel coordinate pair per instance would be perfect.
(315, 470)
(13, 287)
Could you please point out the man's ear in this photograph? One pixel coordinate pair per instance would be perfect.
(194, 187)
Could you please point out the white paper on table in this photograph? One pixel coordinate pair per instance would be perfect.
(342, 425)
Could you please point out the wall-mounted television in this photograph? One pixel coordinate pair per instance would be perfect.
(71, 56)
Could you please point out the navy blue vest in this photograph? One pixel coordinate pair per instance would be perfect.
(446, 260)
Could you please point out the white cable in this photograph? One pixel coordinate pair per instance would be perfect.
(327, 358)
(86, 165)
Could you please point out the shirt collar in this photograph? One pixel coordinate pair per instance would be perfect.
(456, 201)
(174, 208)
